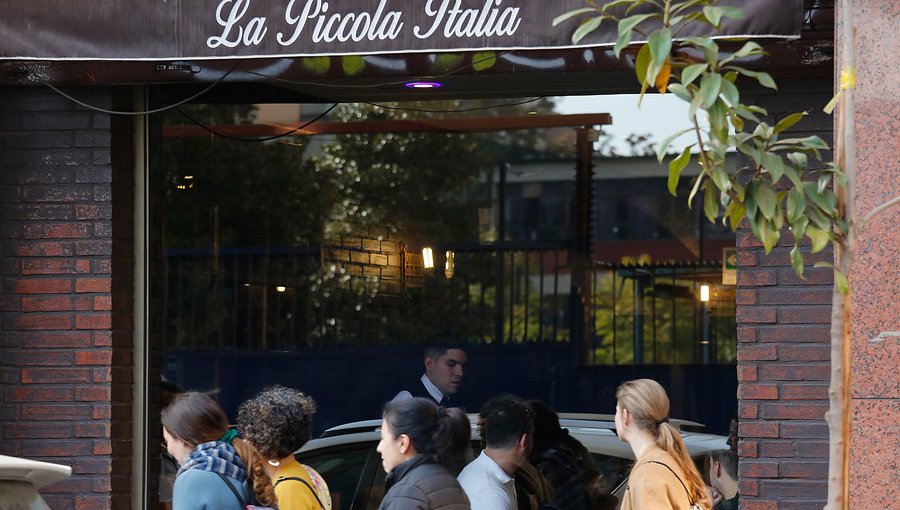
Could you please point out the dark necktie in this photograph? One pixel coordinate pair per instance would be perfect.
(445, 402)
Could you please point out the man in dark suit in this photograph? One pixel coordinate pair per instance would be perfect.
(442, 378)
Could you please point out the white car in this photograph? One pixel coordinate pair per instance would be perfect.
(21, 478)
(345, 455)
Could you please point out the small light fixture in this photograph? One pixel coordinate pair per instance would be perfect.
(428, 257)
(704, 293)
(422, 85)
(449, 265)
(281, 288)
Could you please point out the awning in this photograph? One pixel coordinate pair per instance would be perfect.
(165, 30)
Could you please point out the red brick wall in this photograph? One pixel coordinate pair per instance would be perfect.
(783, 351)
(66, 292)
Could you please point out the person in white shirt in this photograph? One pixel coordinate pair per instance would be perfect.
(507, 426)
(442, 378)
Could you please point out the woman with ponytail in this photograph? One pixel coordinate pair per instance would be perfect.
(418, 439)
(663, 476)
(216, 468)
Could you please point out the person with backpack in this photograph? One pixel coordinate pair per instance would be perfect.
(418, 439)
(276, 423)
(213, 462)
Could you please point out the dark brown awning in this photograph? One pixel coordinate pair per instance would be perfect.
(166, 30)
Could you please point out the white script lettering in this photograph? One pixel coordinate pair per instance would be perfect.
(252, 34)
(458, 22)
(343, 27)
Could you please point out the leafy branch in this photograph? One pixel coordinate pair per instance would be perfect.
(777, 186)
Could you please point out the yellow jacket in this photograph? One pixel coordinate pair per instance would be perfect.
(652, 486)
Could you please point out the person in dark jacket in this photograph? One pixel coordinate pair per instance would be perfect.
(418, 439)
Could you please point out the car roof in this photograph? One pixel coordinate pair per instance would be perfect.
(595, 431)
(34, 472)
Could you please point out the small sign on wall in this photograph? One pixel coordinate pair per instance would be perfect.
(729, 266)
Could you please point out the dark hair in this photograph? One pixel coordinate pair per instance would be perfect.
(442, 432)
(504, 420)
(727, 459)
(547, 430)
(436, 351)
(277, 421)
(194, 418)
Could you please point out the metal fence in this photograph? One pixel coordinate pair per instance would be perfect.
(504, 293)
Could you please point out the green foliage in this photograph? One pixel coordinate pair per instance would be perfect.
(776, 187)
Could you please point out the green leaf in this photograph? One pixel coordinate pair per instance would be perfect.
(691, 72)
(695, 189)
(823, 263)
(571, 14)
(820, 238)
(484, 60)
(316, 65)
(824, 181)
(626, 25)
(732, 12)
(773, 164)
(826, 200)
(798, 159)
(352, 64)
(713, 14)
(680, 91)
(840, 279)
(675, 168)
(768, 235)
(718, 121)
(750, 202)
(737, 214)
(764, 79)
(709, 89)
(793, 176)
(585, 28)
(660, 43)
(789, 121)
(642, 63)
(765, 197)
(720, 178)
(796, 204)
(798, 228)
(446, 62)
(730, 93)
(710, 203)
(797, 261)
(695, 105)
(664, 145)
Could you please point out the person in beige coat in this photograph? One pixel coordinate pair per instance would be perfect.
(663, 476)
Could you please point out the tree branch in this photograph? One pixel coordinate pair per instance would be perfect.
(881, 208)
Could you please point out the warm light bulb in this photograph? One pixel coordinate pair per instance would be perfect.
(427, 258)
(704, 293)
(281, 288)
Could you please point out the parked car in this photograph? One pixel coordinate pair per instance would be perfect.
(21, 478)
(345, 455)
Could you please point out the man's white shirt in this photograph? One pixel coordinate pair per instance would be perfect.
(487, 485)
(432, 390)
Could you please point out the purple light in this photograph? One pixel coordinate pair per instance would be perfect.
(422, 85)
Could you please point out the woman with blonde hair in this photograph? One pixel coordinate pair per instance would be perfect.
(663, 476)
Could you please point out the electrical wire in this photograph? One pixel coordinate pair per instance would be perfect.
(265, 139)
(147, 112)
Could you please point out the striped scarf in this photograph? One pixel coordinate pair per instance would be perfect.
(217, 457)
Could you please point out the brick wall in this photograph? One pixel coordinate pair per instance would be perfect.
(784, 350)
(66, 292)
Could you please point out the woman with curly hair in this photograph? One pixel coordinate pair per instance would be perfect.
(277, 422)
(213, 463)
(664, 475)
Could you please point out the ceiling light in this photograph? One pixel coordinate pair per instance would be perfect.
(422, 85)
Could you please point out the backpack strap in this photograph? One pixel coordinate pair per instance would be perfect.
(233, 490)
(690, 499)
(315, 495)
